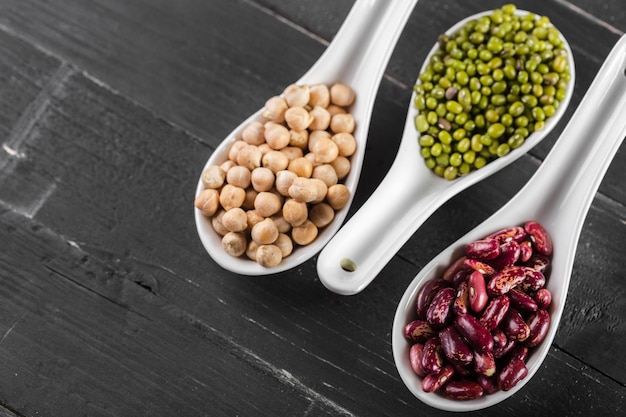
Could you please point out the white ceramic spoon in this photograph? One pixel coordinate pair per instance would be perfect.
(407, 196)
(558, 196)
(357, 56)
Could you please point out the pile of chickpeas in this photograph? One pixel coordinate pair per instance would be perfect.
(283, 180)
(487, 88)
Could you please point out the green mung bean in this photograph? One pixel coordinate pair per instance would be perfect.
(487, 88)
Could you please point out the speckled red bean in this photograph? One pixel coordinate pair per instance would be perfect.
(511, 374)
(432, 356)
(484, 363)
(538, 261)
(540, 238)
(526, 250)
(543, 298)
(474, 332)
(461, 302)
(514, 326)
(482, 267)
(478, 323)
(419, 331)
(504, 280)
(522, 301)
(488, 384)
(426, 295)
(516, 233)
(477, 291)
(439, 312)
(534, 280)
(415, 357)
(538, 324)
(454, 346)
(495, 311)
(463, 390)
(484, 249)
(509, 254)
(432, 382)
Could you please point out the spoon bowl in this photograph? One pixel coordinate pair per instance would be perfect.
(407, 196)
(558, 196)
(357, 56)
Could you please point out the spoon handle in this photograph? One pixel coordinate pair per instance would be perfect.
(360, 49)
(364, 244)
(572, 172)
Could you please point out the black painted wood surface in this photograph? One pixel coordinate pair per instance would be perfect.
(109, 305)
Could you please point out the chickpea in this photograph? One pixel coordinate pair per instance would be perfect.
(317, 134)
(303, 190)
(326, 173)
(305, 233)
(227, 165)
(338, 196)
(334, 109)
(253, 218)
(311, 157)
(325, 150)
(297, 95)
(299, 138)
(264, 148)
(275, 161)
(233, 152)
(320, 118)
(285, 244)
(249, 156)
(276, 135)
(216, 222)
(275, 108)
(262, 179)
(235, 220)
(321, 215)
(292, 152)
(267, 204)
(213, 177)
(319, 95)
(342, 166)
(264, 232)
(269, 256)
(239, 176)
(251, 250)
(254, 133)
(284, 179)
(298, 118)
(342, 123)
(301, 166)
(321, 190)
(281, 224)
(234, 243)
(341, 95)
(295, 212)
(207, 202)
(231, 196)
(345, 143)
(280, 184)
(248, 202)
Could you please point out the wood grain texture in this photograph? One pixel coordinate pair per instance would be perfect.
(109, 305)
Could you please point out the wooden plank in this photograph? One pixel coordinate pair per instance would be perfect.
(109, 296)
(118, 349)
(122, 252)
(176, 59)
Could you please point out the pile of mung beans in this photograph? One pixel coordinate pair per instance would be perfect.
(283, 179)
(477, 324)
(487, 88)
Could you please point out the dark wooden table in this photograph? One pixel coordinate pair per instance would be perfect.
(109, 304)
